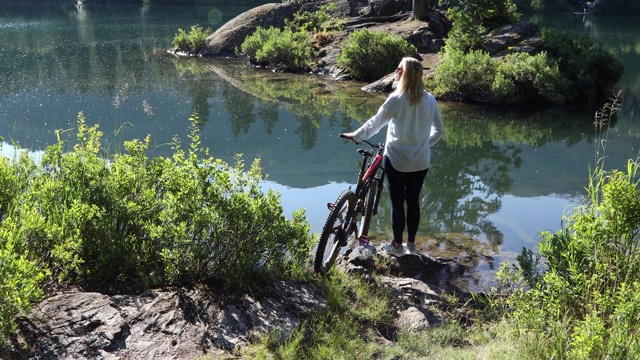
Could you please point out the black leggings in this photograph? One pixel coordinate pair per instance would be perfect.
(404, 186)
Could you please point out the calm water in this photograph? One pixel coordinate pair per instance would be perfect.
(499, 178)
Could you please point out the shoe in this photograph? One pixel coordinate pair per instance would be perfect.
(411, 248)
(392, 250)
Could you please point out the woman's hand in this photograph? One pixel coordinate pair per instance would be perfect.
(348, 136)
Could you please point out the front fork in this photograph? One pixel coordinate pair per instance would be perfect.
(341, 229)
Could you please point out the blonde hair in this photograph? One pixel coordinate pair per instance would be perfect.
(411, 82)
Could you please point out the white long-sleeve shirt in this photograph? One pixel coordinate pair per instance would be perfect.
(412, 130)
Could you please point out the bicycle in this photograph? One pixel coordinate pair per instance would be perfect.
(342, 221)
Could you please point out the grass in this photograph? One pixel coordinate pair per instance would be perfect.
(359, 325)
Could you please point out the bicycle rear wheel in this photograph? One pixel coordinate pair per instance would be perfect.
(335, 232)
(367, 210)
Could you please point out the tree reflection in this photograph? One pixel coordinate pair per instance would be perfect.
(470, 176)
(240, 107)
(268, 111)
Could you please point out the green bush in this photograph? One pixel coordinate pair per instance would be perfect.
(536, 78)
(21, 280)
(292, 48)
(489, 13)
(590, 69)
(320, 20)
(22, 276)
(134, 222)
(516, 78)
(191, 41)
(468, 76)
(370, 55)
(279, 48)
(465, 34)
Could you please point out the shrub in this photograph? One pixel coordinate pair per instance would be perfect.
(492, 13)
(316, 21)
(22, 275)
(466, 34)
(590, 69)
(469, 76)
(369, 55)
(537, 78)
(279, 48)
(21, 280)
(292, 48)
(135, 222)
(191, 41)
(517, 78)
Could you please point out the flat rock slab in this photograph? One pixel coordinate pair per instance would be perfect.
(159, 324)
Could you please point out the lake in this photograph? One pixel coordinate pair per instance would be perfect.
(499, 177)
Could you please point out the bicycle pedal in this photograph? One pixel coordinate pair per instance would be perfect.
(363, 240)
(330, 206)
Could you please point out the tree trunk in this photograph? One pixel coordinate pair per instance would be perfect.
(421, 8)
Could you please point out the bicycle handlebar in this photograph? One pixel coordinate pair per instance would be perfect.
(364, 141)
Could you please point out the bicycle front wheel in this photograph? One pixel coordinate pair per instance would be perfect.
(367, 211)
(335, 232)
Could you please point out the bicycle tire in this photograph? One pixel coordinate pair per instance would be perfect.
(334, 232)
(367, 210)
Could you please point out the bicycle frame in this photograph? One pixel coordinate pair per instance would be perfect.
(370, 170)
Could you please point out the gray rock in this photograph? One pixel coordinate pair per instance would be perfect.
(179, 323)
(518, 37)
(167, 324)
(385, 85)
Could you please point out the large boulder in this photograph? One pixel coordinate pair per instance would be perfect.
(228, 37)
(225, 40)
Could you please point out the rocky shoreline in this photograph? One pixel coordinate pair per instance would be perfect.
(427, 35)
(186, 323)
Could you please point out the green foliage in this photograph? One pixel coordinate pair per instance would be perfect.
(191, 41)
(135, 222)
(547, 6)
(465, 76)
(316, 21)
(589, 68)
(516, 78)
(279, 48)
(536, 78)
(22, 276)
(19, 287)
(20, 283)
(466, 34)
(369, 55)
(587, 300)
(571, 70)
(292, 48)
(491, 13)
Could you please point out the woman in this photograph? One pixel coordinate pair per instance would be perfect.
(414, 125)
